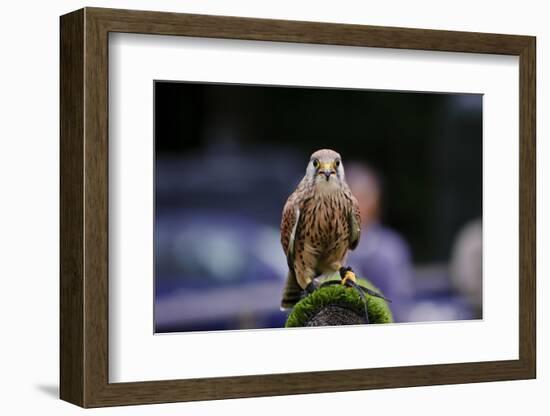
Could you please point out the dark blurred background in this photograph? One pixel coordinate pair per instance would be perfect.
(227, 157)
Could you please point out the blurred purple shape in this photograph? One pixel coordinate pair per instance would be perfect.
(383, 257)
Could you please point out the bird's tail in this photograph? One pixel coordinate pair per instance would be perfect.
(292, 292)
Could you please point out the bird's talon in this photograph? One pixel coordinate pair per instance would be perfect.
(311, 287)
(348, 277)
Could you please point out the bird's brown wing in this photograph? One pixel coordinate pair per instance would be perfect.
(354, 221)
(289, 224)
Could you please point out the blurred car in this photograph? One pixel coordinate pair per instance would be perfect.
(436, 299)
(219, 264)
(217, 272)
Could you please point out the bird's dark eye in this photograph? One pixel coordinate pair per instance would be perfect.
(337, 163)
(315, 163)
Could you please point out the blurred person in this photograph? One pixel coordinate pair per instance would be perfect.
(466, 264)
(382, 256)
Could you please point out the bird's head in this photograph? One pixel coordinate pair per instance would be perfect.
(325, 168)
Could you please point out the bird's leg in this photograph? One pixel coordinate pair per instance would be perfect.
(311, 287)
(349, 279)
(306, 280)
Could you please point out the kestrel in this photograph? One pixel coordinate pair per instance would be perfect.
(320, 224)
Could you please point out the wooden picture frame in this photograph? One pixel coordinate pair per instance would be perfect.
(84, 207)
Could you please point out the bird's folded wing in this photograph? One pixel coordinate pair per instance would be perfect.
(289, 225)
(354, 221)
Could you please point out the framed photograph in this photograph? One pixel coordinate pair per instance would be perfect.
(254, 207)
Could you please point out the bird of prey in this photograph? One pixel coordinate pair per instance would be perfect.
(320, 223)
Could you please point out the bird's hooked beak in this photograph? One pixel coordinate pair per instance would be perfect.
(327, 169)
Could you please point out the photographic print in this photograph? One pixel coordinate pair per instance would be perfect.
(283, 206)
(327, 176)
(348, 176)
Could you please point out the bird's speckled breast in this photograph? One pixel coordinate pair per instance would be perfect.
(325, 230)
